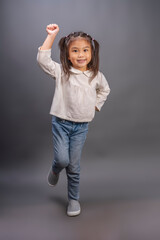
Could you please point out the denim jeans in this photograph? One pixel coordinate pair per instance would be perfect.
(68, 141)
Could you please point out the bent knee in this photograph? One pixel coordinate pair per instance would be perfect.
(62, 161)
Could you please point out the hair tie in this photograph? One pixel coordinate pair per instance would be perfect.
(66, 39)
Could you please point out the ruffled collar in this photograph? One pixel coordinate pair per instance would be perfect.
(87, 73)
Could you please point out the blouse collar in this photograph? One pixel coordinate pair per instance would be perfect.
(88, 73)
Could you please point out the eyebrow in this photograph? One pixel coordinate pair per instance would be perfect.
(77, 47)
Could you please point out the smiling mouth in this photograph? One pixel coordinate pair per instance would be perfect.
(81, 61)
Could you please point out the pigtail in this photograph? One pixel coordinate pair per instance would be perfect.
(96, 56)
(94, 64)
(96, 53)
(64, 55)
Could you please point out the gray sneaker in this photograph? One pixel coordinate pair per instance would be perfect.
(52, 178)
(74, 208)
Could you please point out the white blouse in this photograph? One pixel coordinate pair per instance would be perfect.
(74, 99)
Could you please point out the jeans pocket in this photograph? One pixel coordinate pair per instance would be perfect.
(84, 126)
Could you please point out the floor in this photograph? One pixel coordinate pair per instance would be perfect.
(120, 200)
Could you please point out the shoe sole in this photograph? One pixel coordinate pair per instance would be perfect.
(73, 214)
(49, 182)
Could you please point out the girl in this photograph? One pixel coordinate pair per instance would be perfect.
(80, 90)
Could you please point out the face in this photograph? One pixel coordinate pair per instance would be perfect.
(80, 53)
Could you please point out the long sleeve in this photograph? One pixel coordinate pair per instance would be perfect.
(47, 64)
(103, 91)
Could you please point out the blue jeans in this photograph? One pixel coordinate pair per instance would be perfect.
(68, 141)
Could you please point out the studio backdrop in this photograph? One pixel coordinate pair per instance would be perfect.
(129, 37)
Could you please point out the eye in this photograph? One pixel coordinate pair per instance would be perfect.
(85, 50)
(75, 50)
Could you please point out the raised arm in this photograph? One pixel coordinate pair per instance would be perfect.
(52, 30)
(44, 52)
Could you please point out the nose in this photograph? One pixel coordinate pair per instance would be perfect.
(81, 54)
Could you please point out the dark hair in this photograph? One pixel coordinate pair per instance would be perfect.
(64, 45)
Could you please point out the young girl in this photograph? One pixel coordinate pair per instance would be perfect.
(80, 90)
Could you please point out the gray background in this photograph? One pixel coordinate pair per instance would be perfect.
(120, 162)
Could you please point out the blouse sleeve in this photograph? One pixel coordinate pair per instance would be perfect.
(47, 64)
(102, 91)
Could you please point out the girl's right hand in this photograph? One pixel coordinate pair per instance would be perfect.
(52, 29)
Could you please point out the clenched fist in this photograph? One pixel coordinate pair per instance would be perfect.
(52, 29)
